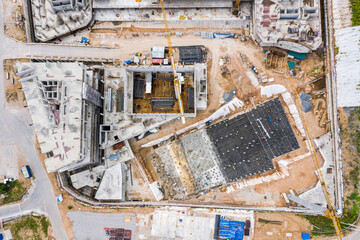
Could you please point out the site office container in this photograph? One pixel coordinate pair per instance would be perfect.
(161, 61)
(157, 61)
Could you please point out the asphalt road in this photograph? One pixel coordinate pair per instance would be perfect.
(15, 129)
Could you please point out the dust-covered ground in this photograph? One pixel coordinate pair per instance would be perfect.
(14, 25)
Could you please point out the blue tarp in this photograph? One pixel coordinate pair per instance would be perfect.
(115, 156)
(231, 229)
(224, 35)
(291, 65)
(296, 55)
(84, 40)
(305, 236)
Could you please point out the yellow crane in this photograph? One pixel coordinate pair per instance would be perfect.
(178, 79)
(331, 211)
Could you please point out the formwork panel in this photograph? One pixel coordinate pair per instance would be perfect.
(246, 144)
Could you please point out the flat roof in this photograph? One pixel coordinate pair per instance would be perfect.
(112, 184)
(63, 138)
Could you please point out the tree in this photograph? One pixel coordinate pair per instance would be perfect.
(4, 188)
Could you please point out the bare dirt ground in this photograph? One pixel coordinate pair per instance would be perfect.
(285, 226)
(218, 84)
(14, 96)
(266, 194)
(13, 19)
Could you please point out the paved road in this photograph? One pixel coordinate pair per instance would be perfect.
(15, 129)
(14, 124)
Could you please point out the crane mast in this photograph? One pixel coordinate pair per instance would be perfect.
(331, 211)
(177, 77)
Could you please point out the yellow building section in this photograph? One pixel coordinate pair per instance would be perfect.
(177, 153)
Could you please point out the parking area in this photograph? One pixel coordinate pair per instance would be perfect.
(88, 225)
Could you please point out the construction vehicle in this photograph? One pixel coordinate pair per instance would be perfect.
(330, 212)
(178, 78)
(237, 3)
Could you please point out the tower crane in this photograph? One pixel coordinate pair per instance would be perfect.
(178, 78)
(330, 212)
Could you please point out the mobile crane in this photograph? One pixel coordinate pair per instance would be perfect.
(178, 78)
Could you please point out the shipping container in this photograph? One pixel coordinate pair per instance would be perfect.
(157, 61)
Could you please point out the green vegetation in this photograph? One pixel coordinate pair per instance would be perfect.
(29, 228)
(4, 188)
(315, 69)
(355, 7)
(70, 207)
(354, 136)
(13, 191)
(45, 224)
(324, 226)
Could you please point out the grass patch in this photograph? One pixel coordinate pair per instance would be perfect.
(354, 137)
(29, 228)
(324, 226)
(70, 207)
(15, 191)
(45, 224)
(355, 7)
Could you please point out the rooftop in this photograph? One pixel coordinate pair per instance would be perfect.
(54, 96)
(112, 184)
(154, 4)
(292, 25)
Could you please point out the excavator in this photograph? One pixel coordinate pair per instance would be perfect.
(178, 80)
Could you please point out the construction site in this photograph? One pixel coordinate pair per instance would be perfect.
(207, 104)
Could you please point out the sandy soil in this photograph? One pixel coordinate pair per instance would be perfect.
(14, 97)
(289, 223)
(217, 85)
(266, 194)
(13, 15)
